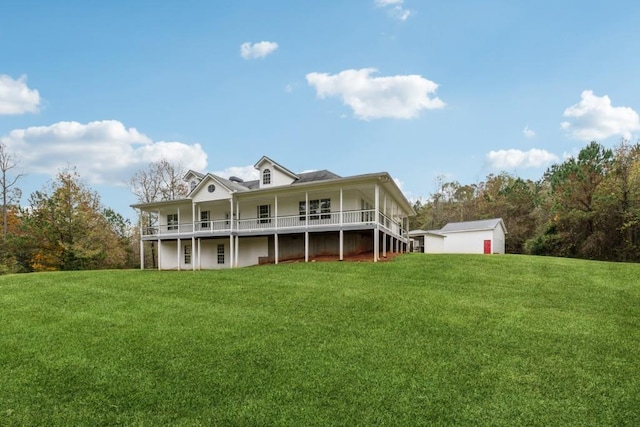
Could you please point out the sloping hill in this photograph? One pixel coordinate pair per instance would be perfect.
(423, 339)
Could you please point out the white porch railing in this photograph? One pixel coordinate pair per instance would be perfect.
(308, 221)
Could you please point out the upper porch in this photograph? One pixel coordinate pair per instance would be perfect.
(266, 225)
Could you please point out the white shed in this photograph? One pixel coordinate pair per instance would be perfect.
(470, 237)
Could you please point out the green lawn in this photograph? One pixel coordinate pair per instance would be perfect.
(421, 340)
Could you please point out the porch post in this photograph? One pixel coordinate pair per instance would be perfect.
(199, 256)
(237, 245)
(341, 230)
(376, 234)
(193, 248)
(141, 241)
(159, 254)
(384, 244)
(179, 243)
(231, 242)
(275, 236)
(306, 246)
(141, 254)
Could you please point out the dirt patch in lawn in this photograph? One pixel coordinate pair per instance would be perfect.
(361, 257)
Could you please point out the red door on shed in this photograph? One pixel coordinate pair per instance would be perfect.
(487, 246)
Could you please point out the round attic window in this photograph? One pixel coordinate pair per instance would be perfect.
(211, 188)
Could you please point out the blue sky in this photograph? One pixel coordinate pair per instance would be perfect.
(419, 89)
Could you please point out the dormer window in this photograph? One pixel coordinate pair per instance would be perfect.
(266, 176)
(193, 185)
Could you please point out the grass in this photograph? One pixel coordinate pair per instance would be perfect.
(421, 340)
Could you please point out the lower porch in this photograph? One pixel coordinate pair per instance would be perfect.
(198, 253)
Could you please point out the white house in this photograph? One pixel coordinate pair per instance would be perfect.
(470, 237)
(225, 223)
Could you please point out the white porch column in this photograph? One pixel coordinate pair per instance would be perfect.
(237, 248)
(159, 254)
(306, 246)
(341, 208)
(341, 230)
(306, 210)
(231, 228)
(384, 244)
(141, 254)
(179, 220)
(275, 236)
(179, 244)
(376, 234)
(141, 241)
(199, 254)
(193, 217)
(193, 258)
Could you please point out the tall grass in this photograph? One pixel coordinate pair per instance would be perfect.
(440, 339)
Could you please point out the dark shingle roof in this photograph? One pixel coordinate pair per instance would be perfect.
(322, 175)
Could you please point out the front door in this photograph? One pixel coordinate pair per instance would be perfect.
(487, 246)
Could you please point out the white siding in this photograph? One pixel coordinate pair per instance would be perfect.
(168, 259)
(433, 244)
(467, 242)
(278, 178)
(203, 193)
(251, 249)
(498, 241)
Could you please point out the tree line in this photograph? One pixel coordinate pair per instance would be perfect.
(65, 225)
(588, 206)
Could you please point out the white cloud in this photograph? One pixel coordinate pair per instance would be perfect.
(395, 8)
(382, 3)
(257, 50)
(513, 159)
(529, 133)
(594, 118)
(247, 173)
(400, 97)
(104, 152)
(16, 97)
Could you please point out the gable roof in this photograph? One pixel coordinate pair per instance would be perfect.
(276, 165)
(483, 224)
(304, 177)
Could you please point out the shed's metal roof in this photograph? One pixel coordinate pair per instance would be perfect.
(483, 224)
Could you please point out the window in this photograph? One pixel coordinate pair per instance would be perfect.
(302, 207)
(193, 185)
(367, 215)
(318, 209)
(187, 254)
(266, 176)
(220, 254)
(211, 188)
(172, 221)
(314, 208)
(325, 208)
(264, 214)
(205, 217)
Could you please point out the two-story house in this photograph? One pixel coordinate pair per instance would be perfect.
(228, 222)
